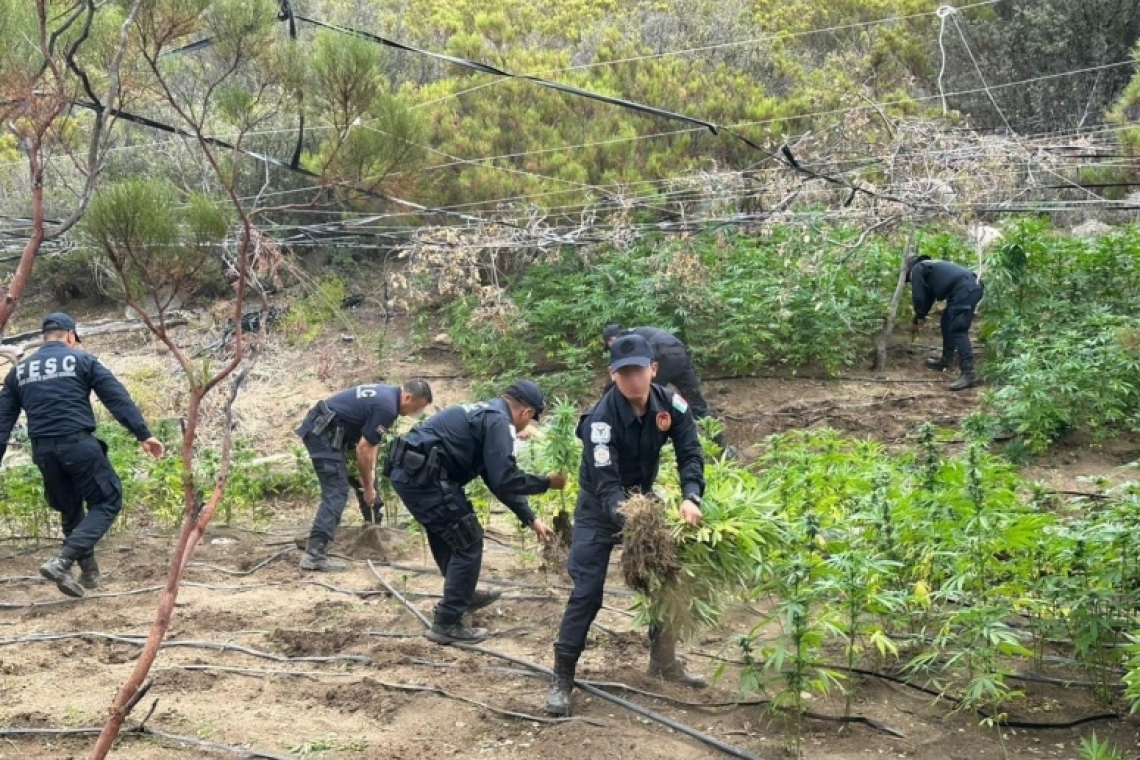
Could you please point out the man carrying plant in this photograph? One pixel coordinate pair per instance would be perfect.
(356, 418)
(932, 281)
(53, 386)
(674, 365)
(430, 467)
(622, 439)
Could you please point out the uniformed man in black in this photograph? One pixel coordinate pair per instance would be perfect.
(674, 367)
(53, 386)
(622, 437)
(430, 467)
(356, 419)
(960, 288)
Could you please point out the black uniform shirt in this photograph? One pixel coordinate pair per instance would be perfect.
(932, 281)
(366, 410)
(54, 386)
(478, 440)
(658, 339)
(621, 453)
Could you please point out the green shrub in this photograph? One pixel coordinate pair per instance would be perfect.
(740, 303)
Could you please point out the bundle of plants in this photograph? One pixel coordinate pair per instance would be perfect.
(649, 558)
(686, 575)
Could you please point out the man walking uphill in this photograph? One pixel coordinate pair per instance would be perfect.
(53, 386)
(622, 438)
(430, 467)
(932, 281)
(356, 419)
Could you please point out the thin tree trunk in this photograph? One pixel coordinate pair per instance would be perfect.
(196, 515)
(28, 256)
(884, 336)
(194, 522)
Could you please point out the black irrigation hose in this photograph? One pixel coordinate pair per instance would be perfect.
(683, 702)
(700, 736)
(712, 741)
(145, 732)
(405, 687)
(951, 698)
(1064, 682)
(1031, 725)
(419, 570)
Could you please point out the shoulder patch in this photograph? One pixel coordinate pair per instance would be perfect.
(599, 432)
(601, 456)
(679, 403)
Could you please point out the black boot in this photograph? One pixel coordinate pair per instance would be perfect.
(58, 570)
(486, 598)
(663, 662)
(561, 685)
(968, 378)
(89, 572)
(941, 364)
(316, 559)
(455, 633)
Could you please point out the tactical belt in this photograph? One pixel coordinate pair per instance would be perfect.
(324, 424)
(424, 469)
(55, 440)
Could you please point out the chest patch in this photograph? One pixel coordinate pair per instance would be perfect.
(599, 432)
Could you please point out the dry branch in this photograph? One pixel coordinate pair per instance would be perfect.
(144, 732)
(241, 573)
(884, 337)
(410, 607)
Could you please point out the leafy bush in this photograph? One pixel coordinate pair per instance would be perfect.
(920, 557)
(1063, 331)
(309, 316)
(66, 277)
(741, 304)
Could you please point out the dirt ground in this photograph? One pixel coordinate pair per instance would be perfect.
(378, 689)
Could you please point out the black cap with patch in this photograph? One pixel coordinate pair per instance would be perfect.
(630, 351)
(612, 330)
(528, 392)
(57, 321)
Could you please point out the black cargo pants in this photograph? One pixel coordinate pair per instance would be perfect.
(438, 507)
(588, 565)
(76, 472)
(956, 319)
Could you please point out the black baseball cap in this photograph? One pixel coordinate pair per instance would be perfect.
(630, 351)
(57, 321)
(528, 392)
(912, 262)
(612, 330)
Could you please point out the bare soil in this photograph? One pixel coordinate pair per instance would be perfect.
(400, 696)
